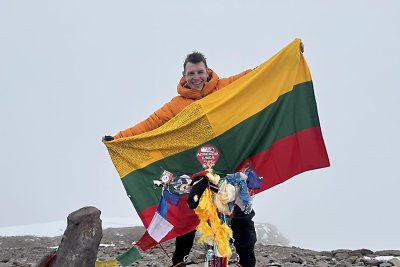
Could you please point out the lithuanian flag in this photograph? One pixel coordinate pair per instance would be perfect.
(268, 118)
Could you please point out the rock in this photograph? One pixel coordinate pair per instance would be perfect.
(365, 251)
(394, 261)
(293, 259)
(356, 253)
(326, 254)
(322, 264)
(351, 259)
(291, 264)
(197, 256)
(341, 256)
(385, 264)
(387, 253)
(341, 251)
(81, 239)
(370, 261)
(274, 264)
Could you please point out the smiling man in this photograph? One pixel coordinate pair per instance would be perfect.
(198, 81)
(195, 75)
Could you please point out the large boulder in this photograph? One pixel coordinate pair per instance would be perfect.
(81, 239)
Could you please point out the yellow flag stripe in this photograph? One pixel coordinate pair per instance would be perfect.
(107, 263)
(269, 81)
(203, 120)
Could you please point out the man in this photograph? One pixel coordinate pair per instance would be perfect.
(199, 81)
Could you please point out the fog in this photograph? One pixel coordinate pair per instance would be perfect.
(74, 71)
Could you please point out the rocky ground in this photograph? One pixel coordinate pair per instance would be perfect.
(28, 250)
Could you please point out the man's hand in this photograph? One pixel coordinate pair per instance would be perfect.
(301, 47)
(107, 138)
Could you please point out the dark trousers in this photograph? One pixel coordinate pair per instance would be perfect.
(244, 234)
(245, 237)
(183, 245)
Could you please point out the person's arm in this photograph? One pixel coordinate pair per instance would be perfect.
(145, 126)
(225, 81)
(155, 120)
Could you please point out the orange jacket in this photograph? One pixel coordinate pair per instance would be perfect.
(178, 103)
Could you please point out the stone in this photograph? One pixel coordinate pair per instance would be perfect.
(387, 253)
(326, 254)
(292, 264)
(81, 239)
(357, 253)
(395, 261)
(370, 261)
(322, 264)
(341, 251)
(351, 259)
(365, 251)
(341, 255)
(197, 256)
(385, 264)
(293, 259)
(272, 264)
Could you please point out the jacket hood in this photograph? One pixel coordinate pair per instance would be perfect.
(209, 87)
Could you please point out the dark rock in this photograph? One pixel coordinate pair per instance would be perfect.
(341, 256)
(322, 258)
(370, 261)
(293, 259)
(326, 254)
(81, 239)
(356, 253)
(322, 264)
(351, 259)
(365, 251)
(387, 253)
(341, 251)
(291, 264)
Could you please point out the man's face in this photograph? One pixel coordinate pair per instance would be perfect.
(195, 75)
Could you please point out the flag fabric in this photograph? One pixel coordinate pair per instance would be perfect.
(159, 227)
(129, 257)
(125, 259)
(267, 118)
(107, 263)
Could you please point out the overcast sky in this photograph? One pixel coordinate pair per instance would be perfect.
(73, 71)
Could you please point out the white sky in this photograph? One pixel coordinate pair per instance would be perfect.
(73, 71)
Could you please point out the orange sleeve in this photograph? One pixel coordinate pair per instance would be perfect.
(155, 120)
(226, 81)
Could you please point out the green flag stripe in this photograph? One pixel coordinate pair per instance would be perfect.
(300, 112)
